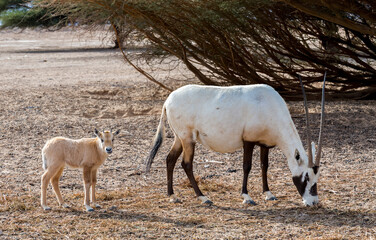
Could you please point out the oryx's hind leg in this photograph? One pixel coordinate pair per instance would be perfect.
(264, 153)
(247, 166)
(46, 177)
(55, 185)
(187, 164)
(171, 159)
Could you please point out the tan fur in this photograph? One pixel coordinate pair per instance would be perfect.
(86, 153)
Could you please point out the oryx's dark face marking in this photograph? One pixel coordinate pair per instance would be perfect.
(313, 190)
(306, 183)
(301, 184)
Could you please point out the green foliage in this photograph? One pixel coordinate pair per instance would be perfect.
(23, 14)
(10, 4)
(23, 18)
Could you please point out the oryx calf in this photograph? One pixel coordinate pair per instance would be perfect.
(225, 119)
(86, 153)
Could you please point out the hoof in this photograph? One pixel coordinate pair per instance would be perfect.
(98, 206)
(65, 205)
(89, 209)
(205, 200)
(113, 208)
(46, 208)
(175, 200)
(269, 196)
(249, 202)
(208, 202)
(271, 199)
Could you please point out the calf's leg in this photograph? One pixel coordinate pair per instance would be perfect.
(87, 172)
(46, 177)
(55, 185)
(93, 183)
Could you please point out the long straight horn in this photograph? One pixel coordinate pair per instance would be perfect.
(308, 129)
(318, 154)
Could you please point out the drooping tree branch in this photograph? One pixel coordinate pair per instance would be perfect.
(148, 76)
(259, 41)
(339, 12)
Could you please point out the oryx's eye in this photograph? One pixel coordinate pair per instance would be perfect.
(297, 155)
(102, 140)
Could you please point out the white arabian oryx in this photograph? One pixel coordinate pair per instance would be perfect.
(225, 119)
(86, 153)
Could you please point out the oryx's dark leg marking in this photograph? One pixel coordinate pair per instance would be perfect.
(187, 165)
(247, 163)
(264, 152)
(171, 159)
(264, 158)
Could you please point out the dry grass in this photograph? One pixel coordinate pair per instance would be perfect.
(88, 90)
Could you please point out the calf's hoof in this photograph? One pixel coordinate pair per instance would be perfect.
(271, 199)
(46, 208)
(89, 209)
(65, 205)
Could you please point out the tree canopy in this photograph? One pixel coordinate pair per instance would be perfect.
(256, 41)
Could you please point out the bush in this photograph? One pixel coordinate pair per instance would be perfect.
(23, 18)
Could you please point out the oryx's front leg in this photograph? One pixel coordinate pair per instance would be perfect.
(247, 166)
(264, 152)
(87, 176)
(93, 183)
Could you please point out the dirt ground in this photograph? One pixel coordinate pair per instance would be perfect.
(67, 83)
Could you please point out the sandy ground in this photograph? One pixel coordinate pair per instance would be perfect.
(67, 83)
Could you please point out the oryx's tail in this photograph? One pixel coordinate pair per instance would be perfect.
(158, 140)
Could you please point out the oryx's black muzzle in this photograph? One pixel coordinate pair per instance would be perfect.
(108, 150)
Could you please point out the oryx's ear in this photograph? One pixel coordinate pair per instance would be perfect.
(117, 132)
(96, 132)
(297, 157)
